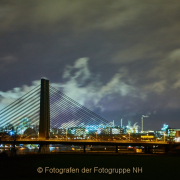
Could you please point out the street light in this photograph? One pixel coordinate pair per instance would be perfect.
(142, 121)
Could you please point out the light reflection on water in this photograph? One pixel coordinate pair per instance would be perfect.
(26, 149)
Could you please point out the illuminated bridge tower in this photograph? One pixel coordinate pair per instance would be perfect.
(44, 125)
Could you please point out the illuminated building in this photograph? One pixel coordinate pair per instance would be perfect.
(177, 136)
(62, 131)
(80, 132)
(147, 138)
(172, 134)
(115, 130)
(132, 129)
(164, 128)
(106, 131)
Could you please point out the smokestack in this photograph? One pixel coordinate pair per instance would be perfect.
(129, 123)
(121, 123)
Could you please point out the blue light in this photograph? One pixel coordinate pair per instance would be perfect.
(165, 126)
(11, 133)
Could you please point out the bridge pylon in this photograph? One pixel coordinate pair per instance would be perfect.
(44, 124)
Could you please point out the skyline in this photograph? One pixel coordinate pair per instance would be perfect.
(118, 59)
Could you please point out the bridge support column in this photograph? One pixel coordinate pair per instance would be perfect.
(116, 148)
(13, 150)
(167, 148)
(44, 125)
(44, 148)
(146, 149)
(84, 150)
(40, 146)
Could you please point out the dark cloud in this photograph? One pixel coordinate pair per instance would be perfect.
(132, 49)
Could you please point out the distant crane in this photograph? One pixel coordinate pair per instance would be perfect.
(142, 121)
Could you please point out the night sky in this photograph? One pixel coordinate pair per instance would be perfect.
(120, 59)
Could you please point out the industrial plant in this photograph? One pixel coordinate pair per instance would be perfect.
(109, 132)
(46, 116)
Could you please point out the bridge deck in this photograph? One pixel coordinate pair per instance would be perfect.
(89, 142)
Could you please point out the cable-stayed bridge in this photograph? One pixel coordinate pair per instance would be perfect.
(45, 111)
(47, 116)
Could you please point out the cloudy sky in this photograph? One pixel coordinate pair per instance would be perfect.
(120, 59)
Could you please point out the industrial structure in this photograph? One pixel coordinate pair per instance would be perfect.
(46, 115)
